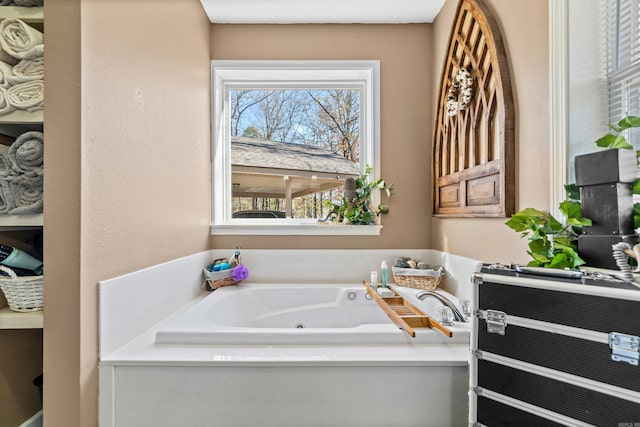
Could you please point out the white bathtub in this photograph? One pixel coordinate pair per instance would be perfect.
(291, 314)
(234, 357)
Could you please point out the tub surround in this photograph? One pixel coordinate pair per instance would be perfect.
(138, 376)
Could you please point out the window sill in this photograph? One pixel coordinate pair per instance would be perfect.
(294, 230)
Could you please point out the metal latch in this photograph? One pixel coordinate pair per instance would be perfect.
(496, 322)
(624, 348)
(476, 278)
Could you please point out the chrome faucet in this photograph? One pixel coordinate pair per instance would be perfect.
(457, 314)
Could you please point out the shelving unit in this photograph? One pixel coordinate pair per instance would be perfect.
(19, 331)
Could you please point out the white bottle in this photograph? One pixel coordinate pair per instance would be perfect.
(374, 280)
(384, 273)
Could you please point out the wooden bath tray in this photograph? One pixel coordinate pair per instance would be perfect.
(404, 314)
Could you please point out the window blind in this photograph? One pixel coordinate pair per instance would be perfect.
(623, 61)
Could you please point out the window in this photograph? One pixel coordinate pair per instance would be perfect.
(285, 136)
(595, 78)
(623, 62)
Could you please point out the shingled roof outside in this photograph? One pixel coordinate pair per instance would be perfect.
(251, 152)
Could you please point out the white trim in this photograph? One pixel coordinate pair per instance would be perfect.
(295, 230)
(559, 106)
(226, 75)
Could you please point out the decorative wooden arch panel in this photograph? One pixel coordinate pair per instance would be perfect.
(473, 147)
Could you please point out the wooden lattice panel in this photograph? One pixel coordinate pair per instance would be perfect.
(473, 149)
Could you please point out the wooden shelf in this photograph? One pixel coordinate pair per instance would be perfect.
(18, 117)
(9, 222)
(27, 14)
(10, 319)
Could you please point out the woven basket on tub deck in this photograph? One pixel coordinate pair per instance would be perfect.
(416, 278)
(23, 293)
(218, 279)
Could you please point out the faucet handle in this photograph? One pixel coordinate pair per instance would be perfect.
(465, 306)
(445, 315)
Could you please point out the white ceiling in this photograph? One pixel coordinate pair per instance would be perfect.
(321, 11)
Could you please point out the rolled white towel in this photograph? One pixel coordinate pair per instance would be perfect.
(5, 107)
(26, 70)
(6, 71)
(27, 194)
(27, 96)
(26, 154)
(20, 40)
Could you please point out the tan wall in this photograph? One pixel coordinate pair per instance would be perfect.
(525, 30)
(405, 81)
(127, 168)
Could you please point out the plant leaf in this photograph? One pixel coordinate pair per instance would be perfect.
(560, 260)
(573, 257)
(540, 247)
(628, 122)
(606, 141)
(522, 220)
(572, 210)
(621, 142)
(561, 242)
(573, 191)
(382, 209)
(539, 258)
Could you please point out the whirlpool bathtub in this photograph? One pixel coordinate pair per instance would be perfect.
(273, 314)
(276, 355)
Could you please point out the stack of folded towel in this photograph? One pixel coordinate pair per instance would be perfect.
(21, 175)
(21, 67)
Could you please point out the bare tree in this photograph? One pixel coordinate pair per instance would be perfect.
(337, 124)
(281, 114)
(241, 101)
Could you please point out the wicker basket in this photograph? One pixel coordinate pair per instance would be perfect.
(416, 278)
(218, 279)
(23, 293)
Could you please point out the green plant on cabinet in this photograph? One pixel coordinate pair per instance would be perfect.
(551, 244)
(554, 245)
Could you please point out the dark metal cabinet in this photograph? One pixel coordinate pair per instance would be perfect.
(554, 352)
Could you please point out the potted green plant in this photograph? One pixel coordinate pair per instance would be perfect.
(356, 208)
(552, 244)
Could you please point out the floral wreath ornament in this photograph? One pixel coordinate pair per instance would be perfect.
(460, 92)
